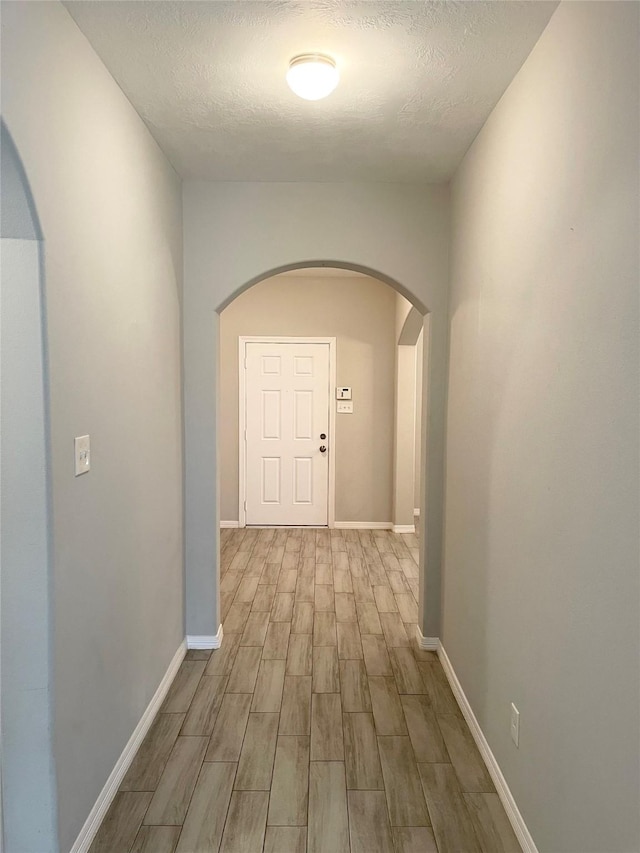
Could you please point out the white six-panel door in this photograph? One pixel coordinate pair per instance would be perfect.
(286, 413)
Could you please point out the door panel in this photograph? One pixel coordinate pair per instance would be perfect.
(287, 408)
(270, 415)
(303, 480)
(303, 415)
(270, 480)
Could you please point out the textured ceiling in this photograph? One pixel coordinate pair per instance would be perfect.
(418, 80)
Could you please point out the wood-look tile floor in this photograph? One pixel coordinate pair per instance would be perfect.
(319, 726)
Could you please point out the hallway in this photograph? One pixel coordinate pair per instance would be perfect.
(319, 725)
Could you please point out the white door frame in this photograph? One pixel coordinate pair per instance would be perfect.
(243, 340)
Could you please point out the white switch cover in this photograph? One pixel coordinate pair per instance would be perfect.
(83, 454)
(515, 724)
(344, 407)
(343, 393)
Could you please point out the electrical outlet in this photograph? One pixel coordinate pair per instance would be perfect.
(515, 724)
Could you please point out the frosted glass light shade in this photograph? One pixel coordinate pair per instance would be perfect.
(312, 76)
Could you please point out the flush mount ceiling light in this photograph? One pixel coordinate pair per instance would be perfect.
(312, 76)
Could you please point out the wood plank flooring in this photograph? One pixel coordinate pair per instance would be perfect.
(319, 726)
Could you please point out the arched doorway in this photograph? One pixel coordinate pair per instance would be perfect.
(202, 520)
(28, 782)
(362, 477)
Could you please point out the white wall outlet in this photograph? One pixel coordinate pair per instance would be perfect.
(344, 407)
(515, 724)
(83, 454)
(343, 393)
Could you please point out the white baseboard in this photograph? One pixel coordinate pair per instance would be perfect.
(202, 642)
(363, 525)
(233, 524)
(404, 528)
(97, 813)
(287, 527)
(506, 797)
(429, 644)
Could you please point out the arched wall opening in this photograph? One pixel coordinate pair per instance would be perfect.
(28, 779)
(335, 265)
(416, 321)
(360, 315)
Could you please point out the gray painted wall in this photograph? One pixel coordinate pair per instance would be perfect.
(236, 234)
(18, 218)
(110, 210)
(541, 597)
(28, 785)
(359, 313)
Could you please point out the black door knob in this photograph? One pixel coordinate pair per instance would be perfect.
(323, 449)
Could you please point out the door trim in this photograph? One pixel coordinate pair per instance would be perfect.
(243, 340)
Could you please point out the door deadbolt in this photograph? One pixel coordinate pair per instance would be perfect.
(323, 435)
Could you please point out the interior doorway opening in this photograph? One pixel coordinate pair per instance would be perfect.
(411, 335)
(364, 469)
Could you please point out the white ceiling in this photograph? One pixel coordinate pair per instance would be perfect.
(418, 80)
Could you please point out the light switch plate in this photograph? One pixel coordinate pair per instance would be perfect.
(344, 407)
(343, 393)
(82, 444)
(515, 725)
